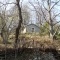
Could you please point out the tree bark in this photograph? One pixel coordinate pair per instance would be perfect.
(19, 24)
(18, 28)
(50, 20)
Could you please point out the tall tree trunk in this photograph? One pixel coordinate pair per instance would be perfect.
(18, 28)
(50, 20)
(19, 24)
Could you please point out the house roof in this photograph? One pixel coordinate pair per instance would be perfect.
(33, 24)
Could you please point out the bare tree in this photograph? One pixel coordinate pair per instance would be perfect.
(51, 17)
(47, 8)
(25, 14)
(4, 20)
(20, 22)
(4, 30)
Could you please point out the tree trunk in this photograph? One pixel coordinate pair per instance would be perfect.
(19, 24)
(18, 28)
(50, 20)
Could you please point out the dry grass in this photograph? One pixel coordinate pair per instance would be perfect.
(44, 41)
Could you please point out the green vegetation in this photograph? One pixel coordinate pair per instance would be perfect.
(44, 30)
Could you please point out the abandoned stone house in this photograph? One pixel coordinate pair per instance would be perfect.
(31, 28)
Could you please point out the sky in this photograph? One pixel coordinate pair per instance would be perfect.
(10, 1)
(23, 2)
(27, 3)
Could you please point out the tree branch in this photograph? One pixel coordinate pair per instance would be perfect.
(34, 7)
(55, 4)
(56, 15)
(56, 23)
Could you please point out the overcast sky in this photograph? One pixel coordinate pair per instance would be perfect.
(27, 3)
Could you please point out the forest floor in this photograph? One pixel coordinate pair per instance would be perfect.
(31, 46)
(31, 41)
